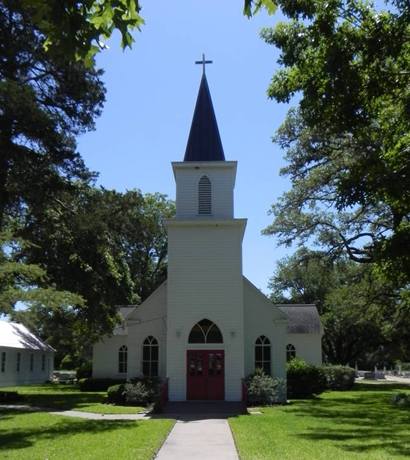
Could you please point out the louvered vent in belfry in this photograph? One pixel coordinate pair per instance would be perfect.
(204, 196)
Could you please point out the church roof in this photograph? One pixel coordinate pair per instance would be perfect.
(204, 141)
(15, 335)
(302, 318)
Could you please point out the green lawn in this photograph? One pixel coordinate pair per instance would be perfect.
(358, 424)
(40, 436)
(69, 397)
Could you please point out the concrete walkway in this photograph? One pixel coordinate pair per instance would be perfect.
(94, 416)
(201, 432)
(77, 413)
(209, 439)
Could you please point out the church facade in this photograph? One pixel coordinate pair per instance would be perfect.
(207, 327)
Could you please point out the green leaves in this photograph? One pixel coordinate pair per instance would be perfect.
(361, 312)
(252, 7)
(347, 143)
(78, 29)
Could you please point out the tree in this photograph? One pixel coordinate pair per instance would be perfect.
(79, 29)
(347, 143)
(365, 319)
(107, 247)
(45, 102)
(304, 277)
(24, 282)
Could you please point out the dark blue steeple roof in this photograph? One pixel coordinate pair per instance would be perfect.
(204, 142)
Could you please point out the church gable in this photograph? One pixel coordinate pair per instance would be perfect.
(256, 297)
(153, 307)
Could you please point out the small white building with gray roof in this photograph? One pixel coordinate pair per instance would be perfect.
(305, 331)
(24, 358)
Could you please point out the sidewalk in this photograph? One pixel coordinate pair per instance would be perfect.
(208, 439)
(201, 432)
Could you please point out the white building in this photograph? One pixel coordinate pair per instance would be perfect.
(24, 358)
(207, 326)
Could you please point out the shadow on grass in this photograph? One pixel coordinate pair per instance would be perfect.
(25, 436)
(362, 421)
(59, 397)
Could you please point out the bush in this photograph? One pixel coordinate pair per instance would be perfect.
(401, 400)
(138, 392)
(115, 394)
(304, 380)
(403, 366)
(263, 390)
(9, 397)
(338, 377)
(84, 371)
(94, 384)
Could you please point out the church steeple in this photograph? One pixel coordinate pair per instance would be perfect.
(204, 142)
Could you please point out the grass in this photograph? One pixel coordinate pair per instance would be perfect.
(40, 436)
(357, 424)
(69, 397)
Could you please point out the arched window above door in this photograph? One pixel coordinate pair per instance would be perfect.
(205, 332)
(262, 354)
(204, 196)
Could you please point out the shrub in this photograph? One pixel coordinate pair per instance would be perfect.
(304, 380)
(338, 377)
(138, 392)
(84, 371)
(94, 384)
(403, 366)
(401, 400)
(264, 390)
(115, 394)
(9, 396)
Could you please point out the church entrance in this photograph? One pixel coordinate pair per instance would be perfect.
(205, 375)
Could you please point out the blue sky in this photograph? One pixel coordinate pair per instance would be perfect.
(151, 93)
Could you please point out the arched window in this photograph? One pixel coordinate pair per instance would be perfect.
(205, 332)
(290, 352)
(150, 357)
(204, 196)
(262, 354)
(122, 359)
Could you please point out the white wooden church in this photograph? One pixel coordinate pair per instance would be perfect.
(207, 327)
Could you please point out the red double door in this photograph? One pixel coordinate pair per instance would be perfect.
(205, 375)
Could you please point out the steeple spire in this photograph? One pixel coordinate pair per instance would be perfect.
(204, 142)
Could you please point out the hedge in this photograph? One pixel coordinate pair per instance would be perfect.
(338, 377)
(94, 384)
(304, 380)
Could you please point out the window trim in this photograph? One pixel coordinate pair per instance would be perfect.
(150, 343)
(205, 332)
(18, 361)
(290, 352)
(265, 363)
(3, 361)
(123, 359)
(204, 196)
